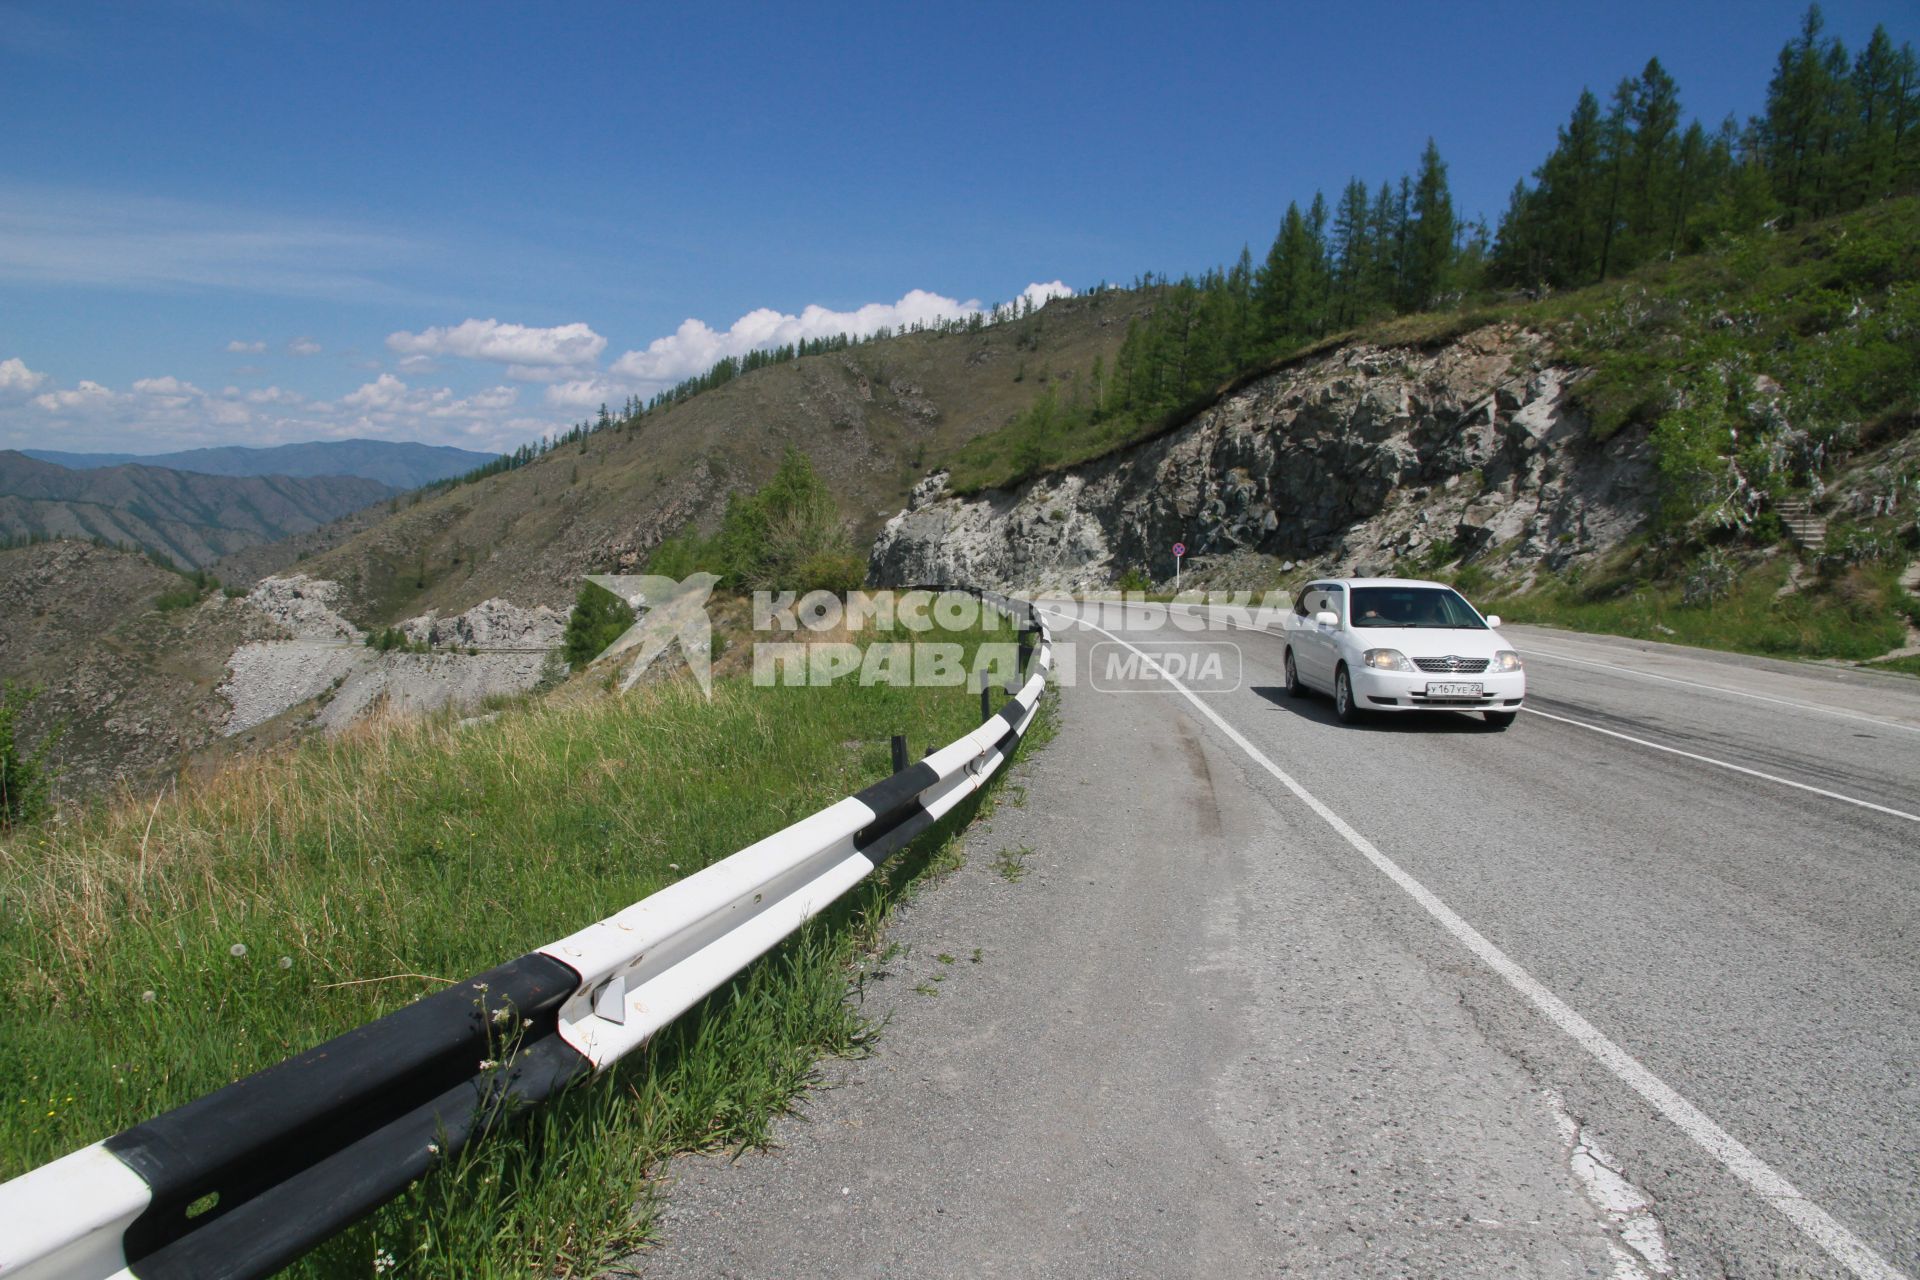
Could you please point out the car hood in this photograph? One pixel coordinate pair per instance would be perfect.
(1430, 642)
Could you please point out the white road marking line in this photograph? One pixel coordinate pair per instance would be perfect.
(1814, 1222)
(1552, 656)
(1737, 768)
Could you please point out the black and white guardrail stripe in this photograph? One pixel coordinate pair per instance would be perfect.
(246, 1179)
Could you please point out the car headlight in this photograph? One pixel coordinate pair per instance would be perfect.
(1507, 660)
(1386, 660)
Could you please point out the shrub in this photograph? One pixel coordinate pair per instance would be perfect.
(25, 780)
(599, 618)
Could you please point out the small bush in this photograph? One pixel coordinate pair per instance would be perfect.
(599, 618)
(25, 780)
(194, 588)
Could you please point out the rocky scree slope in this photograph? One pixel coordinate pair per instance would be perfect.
(1368, 459)
(131, 688)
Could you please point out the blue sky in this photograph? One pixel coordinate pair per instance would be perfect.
(227, 222)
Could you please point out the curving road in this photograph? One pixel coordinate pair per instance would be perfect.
(1630, 989)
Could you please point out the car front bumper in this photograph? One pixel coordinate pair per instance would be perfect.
(1407, 691)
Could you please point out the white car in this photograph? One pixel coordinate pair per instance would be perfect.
(1399, 644)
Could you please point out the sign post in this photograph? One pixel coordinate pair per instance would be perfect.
(1179, 550)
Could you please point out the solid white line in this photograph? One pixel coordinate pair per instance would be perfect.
(1814, 1222)
(1737, 768)
(1552, 656)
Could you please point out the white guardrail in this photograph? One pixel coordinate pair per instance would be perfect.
(246, 1179)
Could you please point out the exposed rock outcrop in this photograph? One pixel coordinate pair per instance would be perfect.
(1358, 461)
(326, 658)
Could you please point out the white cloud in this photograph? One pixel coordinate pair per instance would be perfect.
(695, 347)
(86, 395)
(513, 344)
(240, 348)
(384, 393)
(17, 379)
(416, 364)
(585, 393)
(1041, 294)
(304, 346)
(168, 386)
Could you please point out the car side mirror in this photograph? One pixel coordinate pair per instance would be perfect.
(1327, 618)
(1493, 620)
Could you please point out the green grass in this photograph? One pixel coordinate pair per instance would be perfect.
(152, 952)
(1855, 614)
(1909, 665)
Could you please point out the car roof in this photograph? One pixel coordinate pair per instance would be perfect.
(1382, 582)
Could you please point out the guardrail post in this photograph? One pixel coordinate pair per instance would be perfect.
(899, 752)
(986, 698)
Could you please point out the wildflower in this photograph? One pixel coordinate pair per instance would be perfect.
(237, 950)
(286, 962)
(488, 1064)
(382, 1262)
(433, 1148)
(501, 1014)
(147, 997)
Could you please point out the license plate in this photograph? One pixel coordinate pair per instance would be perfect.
(1453, 691)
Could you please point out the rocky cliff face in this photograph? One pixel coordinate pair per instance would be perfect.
(1365, 460)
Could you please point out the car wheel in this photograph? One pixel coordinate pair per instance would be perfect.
(1343, 703)
(1294, 686)
(1500, 719)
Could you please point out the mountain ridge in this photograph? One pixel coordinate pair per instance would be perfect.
(188, 517)
(399, 464)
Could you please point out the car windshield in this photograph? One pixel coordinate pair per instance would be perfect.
(1414, 607)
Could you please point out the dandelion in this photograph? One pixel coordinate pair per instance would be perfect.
(286, 962)
(237, 950)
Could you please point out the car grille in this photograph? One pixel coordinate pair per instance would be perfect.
(1451, 666)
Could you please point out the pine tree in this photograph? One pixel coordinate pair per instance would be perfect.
(1351, 250)
(1654, 119)
(1429, 257)
(1616, 143)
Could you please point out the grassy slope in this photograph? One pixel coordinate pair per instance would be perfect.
(151, 954)
(870, 418)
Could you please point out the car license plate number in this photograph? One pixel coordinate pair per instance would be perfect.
(1453, 691)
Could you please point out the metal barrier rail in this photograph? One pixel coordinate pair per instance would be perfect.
(244, 1180)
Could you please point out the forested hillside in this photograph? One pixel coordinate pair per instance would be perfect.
(1625, 186)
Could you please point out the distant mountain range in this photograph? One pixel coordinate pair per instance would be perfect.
(400, 465)
(190, 517)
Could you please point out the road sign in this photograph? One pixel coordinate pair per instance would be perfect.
(1179, 549)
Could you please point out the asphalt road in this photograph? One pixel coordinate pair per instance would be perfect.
(1631, 988)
